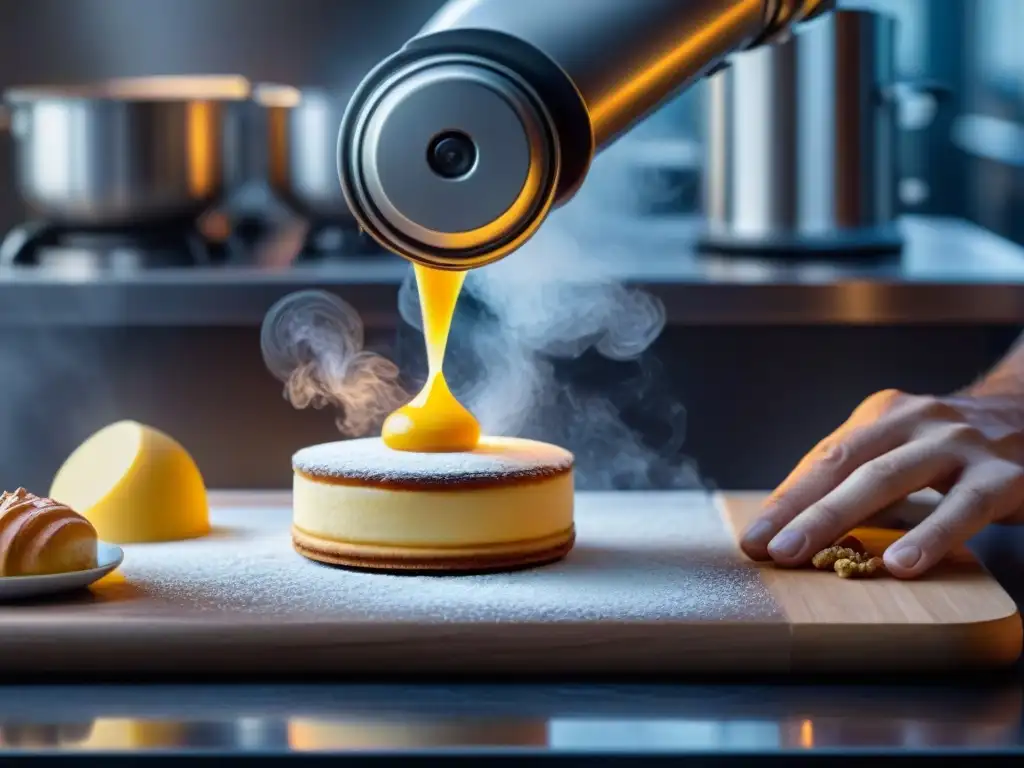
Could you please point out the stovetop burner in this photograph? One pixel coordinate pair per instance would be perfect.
(150, 246)
(214, 241)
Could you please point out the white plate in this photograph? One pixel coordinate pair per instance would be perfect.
(109, 556)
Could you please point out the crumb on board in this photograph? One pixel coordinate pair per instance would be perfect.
(849, 559)
(827, 558)
(848, 569)
(852, 542)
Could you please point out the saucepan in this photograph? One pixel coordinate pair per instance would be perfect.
(803, 137)
(127, 151)
(302, 149)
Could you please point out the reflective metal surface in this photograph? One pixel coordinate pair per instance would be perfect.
(386, 146)
(950, 271)
(626, 58)
(475, 212)
(769, 719)
(127, 151)
(801, 140)
(538, 90)
(302, 149)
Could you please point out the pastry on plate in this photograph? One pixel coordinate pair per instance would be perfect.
(40, 536)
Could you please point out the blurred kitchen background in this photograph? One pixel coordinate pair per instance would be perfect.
(970, 44)
(757, 361)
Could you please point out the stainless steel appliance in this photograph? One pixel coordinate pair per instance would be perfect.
(801, 141)
(454, 150)
(301, 141)
(127, 151)
(302, 144)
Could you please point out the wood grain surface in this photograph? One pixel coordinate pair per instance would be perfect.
(957, 615)
(609, 608)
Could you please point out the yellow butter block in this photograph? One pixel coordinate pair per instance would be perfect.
(134, 484)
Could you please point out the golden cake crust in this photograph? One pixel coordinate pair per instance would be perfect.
(477, 559)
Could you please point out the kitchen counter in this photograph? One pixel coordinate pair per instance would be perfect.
(949, 272)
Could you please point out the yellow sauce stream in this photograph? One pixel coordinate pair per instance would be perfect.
(434, 421)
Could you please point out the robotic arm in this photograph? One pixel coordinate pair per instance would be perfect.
(454, 150)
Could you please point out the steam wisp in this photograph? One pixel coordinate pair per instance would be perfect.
(313, 342)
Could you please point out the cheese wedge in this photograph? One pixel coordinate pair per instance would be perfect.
(134, 484)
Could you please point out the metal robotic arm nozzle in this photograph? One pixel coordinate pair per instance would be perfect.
(454, 150)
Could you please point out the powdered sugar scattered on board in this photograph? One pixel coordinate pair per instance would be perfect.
(654, 560)
(370, 460)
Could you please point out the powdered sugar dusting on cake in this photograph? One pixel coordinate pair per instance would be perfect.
(369, 460)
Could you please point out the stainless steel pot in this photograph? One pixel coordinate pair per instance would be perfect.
(801, 148)
(302, 149)
(129, 151)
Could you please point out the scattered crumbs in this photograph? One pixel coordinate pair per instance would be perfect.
(369, 459)
(636, 564)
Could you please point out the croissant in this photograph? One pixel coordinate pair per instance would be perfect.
(41, 536)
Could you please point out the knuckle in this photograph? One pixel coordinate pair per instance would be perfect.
(881, 402)
(832, 457)
(834, 452)
(888, 397)
(961, 434)
(930, 409)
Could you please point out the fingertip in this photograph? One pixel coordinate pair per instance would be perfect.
(905, 560)
(789, 548)
(754, 540)
(755, 551)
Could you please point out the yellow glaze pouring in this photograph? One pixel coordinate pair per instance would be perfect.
(434, 421)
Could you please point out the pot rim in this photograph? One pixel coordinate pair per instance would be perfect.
(291, 97)
(278, 95)
(155, 89)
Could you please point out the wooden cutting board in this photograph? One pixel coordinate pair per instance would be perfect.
(655, 585)
(957, 615)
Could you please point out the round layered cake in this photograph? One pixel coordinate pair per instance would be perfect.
(507, 504)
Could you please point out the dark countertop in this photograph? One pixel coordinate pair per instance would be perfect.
(812, 719)
(949, 272)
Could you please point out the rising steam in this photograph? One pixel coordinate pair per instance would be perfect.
(313, 342)
(553, 310)
(556, 348)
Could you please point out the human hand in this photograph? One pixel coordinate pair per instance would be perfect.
(968, 447)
